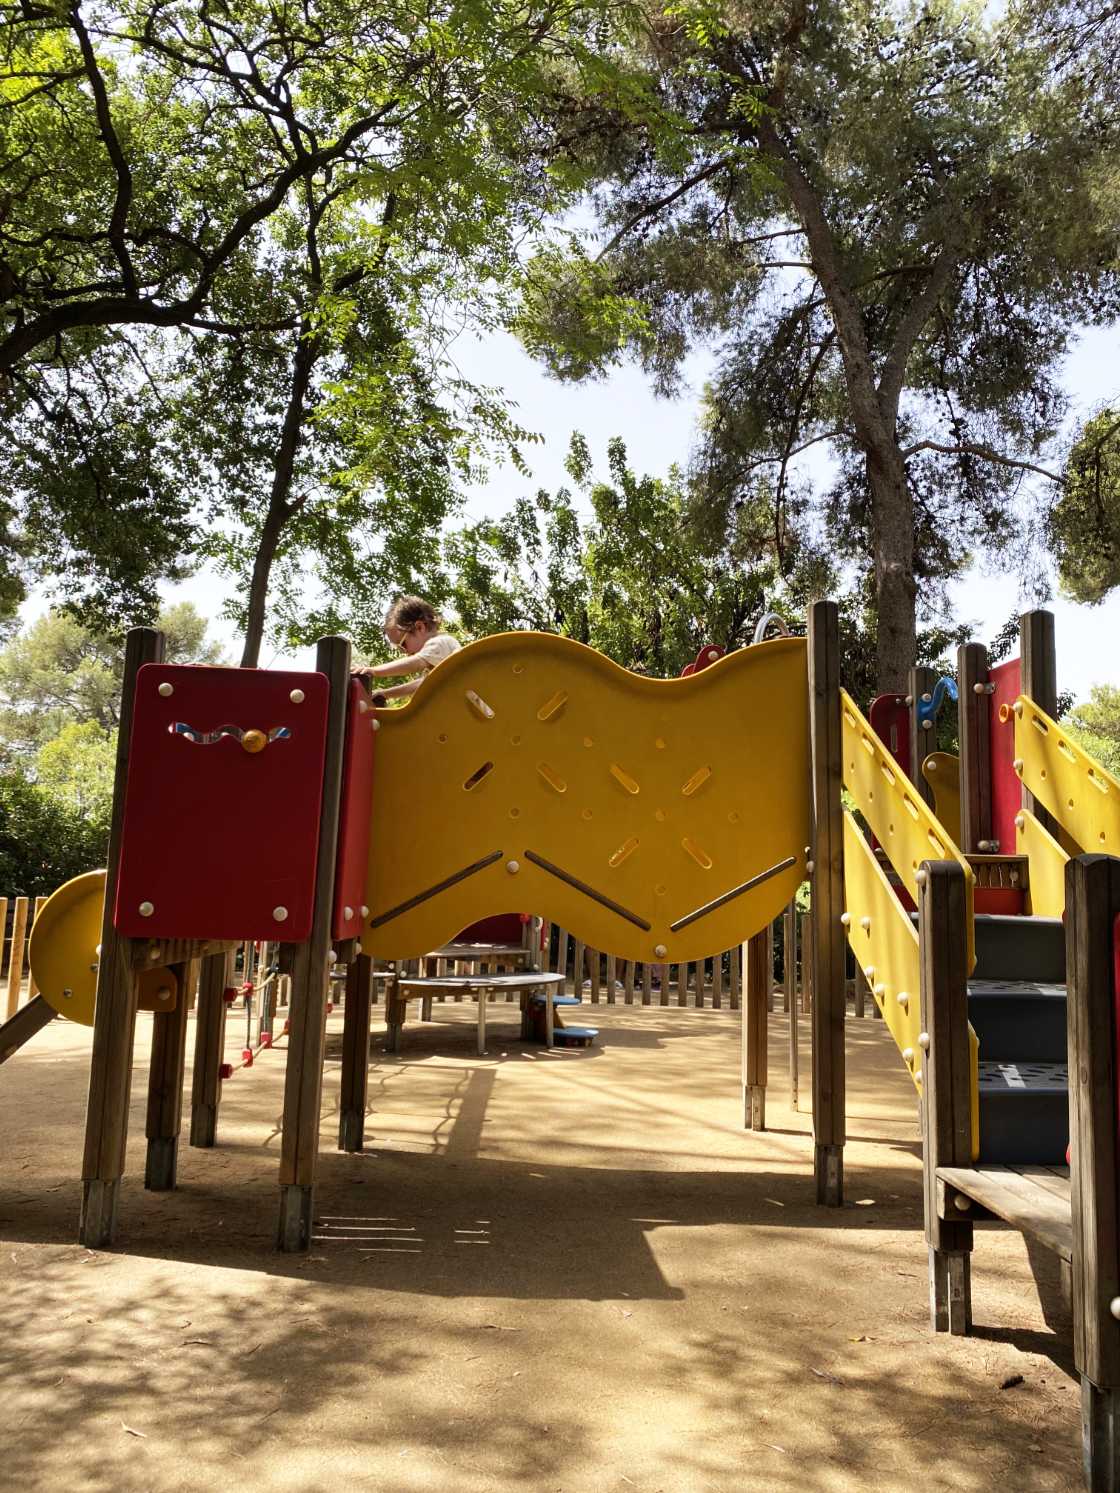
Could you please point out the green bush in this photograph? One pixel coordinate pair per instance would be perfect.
(43, 842)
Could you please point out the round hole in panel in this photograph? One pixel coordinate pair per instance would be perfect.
(661, 890)
(659, 743)
(587, 741)
(514, 813)
(519, 668)
(733, 817)
(442, 737)
(586, 814)
(515, 741)
(660, 815)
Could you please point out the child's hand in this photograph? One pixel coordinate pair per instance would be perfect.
(379, 699)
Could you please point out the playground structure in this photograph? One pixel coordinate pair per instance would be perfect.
(658, 819)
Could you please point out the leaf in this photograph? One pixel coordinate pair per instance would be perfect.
(132, 1431)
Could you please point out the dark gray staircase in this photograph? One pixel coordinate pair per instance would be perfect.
(1017, 1007)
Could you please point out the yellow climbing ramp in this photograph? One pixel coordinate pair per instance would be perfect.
(660, 819)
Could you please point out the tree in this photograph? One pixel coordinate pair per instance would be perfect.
(1095, 725)
(76, 768)
(43, 842)
(229, 307)
(58, 673)
(638, 582)
(888, 218)
(1085, 518)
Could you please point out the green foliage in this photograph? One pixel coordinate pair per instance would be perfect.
(1095, 726)
(639, 581)
(1085, 519)
(76, 769)
(43, 841)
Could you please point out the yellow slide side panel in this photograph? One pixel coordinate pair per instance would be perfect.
(657, 819)
(884, 940)
(1082, 795)
(942, 771)
(1046, 882)
(899, 817)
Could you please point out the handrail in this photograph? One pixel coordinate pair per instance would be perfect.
(765, 622)
(898, 816)
(1083, 796)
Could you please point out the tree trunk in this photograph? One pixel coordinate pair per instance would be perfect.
(280, 507)
(892, 530)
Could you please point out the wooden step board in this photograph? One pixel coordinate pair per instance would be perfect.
(1033, 1199)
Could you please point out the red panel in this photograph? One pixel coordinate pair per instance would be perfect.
(217, 837)
(503, 927)
(1007, 791)
(1002, 899)
(354, 821)
(890, 720)
(710, 653)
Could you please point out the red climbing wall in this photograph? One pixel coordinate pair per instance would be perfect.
(220, 841)
(1007, 792)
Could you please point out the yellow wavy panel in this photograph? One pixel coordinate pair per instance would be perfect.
(899, 817)
(658, 819)
(1082, 795)
(1046, 881)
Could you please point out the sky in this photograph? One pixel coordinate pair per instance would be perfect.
(659, 432)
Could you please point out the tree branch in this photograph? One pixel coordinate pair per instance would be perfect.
(651, 208)
(969, 448)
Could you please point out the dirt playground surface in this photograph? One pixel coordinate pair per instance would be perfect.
(565, 1272)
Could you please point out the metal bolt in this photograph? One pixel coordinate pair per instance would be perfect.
(297, 697)
(921, 876)
(810, 867)
(845, 919)
(146, 909)
(513, 867)
(927, 725)
(1018, 707)
(166, 689)
(332, 957)
(279, 913)
(978, 688)
(347, 913)
(365, 910)
(1020, 821)
(1017, 765)
(163, 993)
(67, 993)
(869, 972)
(907, 1054)
(930, 766)
(376, 724)
(927, 699)
(909, 700)
(961, 1202)
(903, 999)
(865, 924)
(1113, 1305)
(923, 1041)
(880, 991)
(661, 951)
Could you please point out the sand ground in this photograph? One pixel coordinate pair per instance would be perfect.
(564, 1272)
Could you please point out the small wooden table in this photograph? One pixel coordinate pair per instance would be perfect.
(415, 987)
(484, 953)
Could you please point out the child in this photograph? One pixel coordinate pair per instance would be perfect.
(410, 623)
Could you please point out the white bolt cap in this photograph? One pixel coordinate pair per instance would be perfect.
(279, 913)
(97, 951)
(1017, 765)
(661, 951)
(332, 957)
(927, 725)
(977, 688)
(921, 876)
(903, 999)
(1018, 707)
(927, 698)
(907, 1054)
(513, 867)
(845, 919)
(347, 913)
(297, 697)
(865, 923)
(363, 706)
(870, 971)
(810, 866)
(1113, 1305)
(146, 909)
(923, 1041)
(880, 991)
(1020, 820)
(166, 689)
(163, 993)
(376, 724)
(365, 910)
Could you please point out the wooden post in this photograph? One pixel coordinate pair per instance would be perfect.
(15, 958)
(303, 1076)
(32, 988)
(757, 978)
(114, 1017)
(628, 983)
(789, 984)
(1039, 676)
(611, 964)
(683, 977)
(1092, 935)
(647, 983)
(946, 1085)
(736, 961)
(165, 1089)
(975, 749)
(920, 682)
(577, 967)
(717, 982)
(355, 1054)
(562, 958)
(827, 892)
(209, 1048)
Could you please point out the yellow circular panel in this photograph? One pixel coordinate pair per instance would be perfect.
(64, 943)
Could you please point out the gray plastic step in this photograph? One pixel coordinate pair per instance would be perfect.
(1018, 1020)
(1024, 1113)
(1020, 948)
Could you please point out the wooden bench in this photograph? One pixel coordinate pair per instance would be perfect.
(1033, 1199)
(527, 985)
